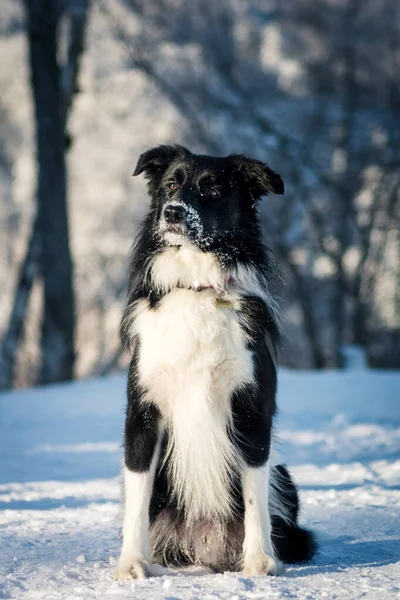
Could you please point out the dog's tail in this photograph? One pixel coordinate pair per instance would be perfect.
(292, 543)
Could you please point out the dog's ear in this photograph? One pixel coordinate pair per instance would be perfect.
(154, 162)
(257, 176)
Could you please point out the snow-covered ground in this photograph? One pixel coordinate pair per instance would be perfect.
(59, 492)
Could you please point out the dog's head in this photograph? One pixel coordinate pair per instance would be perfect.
(206, 201)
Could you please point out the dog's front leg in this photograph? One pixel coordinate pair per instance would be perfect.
(258, 553)
(142, 435)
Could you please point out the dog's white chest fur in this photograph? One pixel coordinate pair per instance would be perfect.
(192, 356)
(188, 342)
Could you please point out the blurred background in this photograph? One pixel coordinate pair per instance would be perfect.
(310, 86)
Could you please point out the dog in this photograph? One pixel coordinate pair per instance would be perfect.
(201, 484)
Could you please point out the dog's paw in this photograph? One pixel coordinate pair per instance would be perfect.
(262, 564)
(131, 568)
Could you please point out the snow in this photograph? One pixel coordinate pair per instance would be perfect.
(60, 453)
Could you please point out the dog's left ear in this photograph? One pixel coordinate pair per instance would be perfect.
(257, 176)
(154, 162)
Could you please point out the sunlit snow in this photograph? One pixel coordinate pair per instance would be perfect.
(60, 453)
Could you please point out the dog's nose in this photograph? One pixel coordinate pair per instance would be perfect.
(173, 213)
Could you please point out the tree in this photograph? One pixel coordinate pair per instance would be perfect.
(329, 123)
(53, 81)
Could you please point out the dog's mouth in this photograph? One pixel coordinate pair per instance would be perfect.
(174, 234)
(174, 228)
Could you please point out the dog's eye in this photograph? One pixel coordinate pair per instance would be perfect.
(213, 193)
(173, 185)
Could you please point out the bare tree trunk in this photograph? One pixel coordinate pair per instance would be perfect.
(77, 12)
(345, 173)
(57, 342)
(53, 89)
(305, 302)
(15, 331)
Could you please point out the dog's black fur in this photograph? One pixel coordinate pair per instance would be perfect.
(213, 205)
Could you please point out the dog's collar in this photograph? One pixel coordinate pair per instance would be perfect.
(197, 287)
(219, 302)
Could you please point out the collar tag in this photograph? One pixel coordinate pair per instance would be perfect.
(223, 303)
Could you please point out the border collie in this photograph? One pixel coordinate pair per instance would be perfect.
(201, 486)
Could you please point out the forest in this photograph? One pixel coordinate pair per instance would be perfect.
(312, 87)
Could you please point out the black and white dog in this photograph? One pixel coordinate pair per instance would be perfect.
(200, 482)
